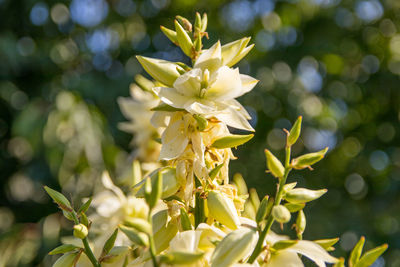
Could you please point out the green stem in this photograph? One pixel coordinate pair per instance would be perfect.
(88, 250)
(151, 245)
(270, 219)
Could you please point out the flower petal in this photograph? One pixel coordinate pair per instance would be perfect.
(173, 140)
(312, 251)
(234, 118)
(210, 59)
(248, 83)
(172, 97)
(188, 84)
(284, 258)
(225, 84)
(185, 241)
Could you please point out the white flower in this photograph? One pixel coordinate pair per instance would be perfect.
(210, 89)
(137, 109)
(289, 256)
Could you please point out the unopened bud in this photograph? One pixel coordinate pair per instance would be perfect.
(80, 231)
(184, 40)
(300, 223)
(232, 52)
(170, 34)
(222, 209)
(136, 237)
(233, 247)
(232, 140)
(262, 210)
(161, 70)
(181, 257)
(303, 195)
(281, 214)
(294, 207)
(185, 23)
(294, 132)
(169, 182)
(305, 161)
(139, 224)
(327, 244)
(274, 165)
(59, 198)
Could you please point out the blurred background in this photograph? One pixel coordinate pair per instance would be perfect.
(336, 62)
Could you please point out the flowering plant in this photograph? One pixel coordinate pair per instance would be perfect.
(185, 212)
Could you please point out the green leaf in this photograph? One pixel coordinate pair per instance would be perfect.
(63, 249)
(214, 172)
(137, 238)
(185, 221)
(85, 206)
(356, 252)
(109, 244)
(371, 256)
(139, 224)
(59, 198)
(230, 141)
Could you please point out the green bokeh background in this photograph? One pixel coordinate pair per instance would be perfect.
(336, 62)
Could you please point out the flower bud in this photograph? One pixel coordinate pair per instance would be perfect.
(234, 247)
(371, 256)
(63, 249)
(300, 223)
(109, 244)
(185, 23)
(201, 122)
(170, 34)
(185, 221)
(327, 244)
(232, 140)
(302, 195)
(340, 263)
(274, 165)
(240, 184)
(144, 83)
(204, 21)
(184, 40)
(66, 260)
(222, 209)
(294, 132)
(262, 210)
(294, 207)
(305, 161)
(356, 252)
(288, 187)
(80, 231)
(163, 71)
(164, 235)
(281, 214)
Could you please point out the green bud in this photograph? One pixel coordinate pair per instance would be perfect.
(288, 187)
(115, 254)
(294, 132)
(144, 83)
(371, 256)
(300, 223)
(181, 257)
(84, 220)
(274, 165)
(185, 221)
(163, 71)
(185, 23)
(170, 34)
(233, 247)
(201, 122)
(66, 260)
(305, 161)
(63, 249)
(222, 209)
(136, 237)
(68, 215)
(255, 200)
(294, 207)
(356, 252)
(59, 198)
(230, 141)
(184, 40)
(327, 244)
(169, 182)
(281, 214)
(139, 224)
(80, 231)
(109, 244)
(240, 184)
(262, 210)
(204, 22)
(197, 22)
(302, 195)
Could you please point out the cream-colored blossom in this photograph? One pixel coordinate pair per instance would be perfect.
(210, 89)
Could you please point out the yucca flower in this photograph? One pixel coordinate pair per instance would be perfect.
(210, 89)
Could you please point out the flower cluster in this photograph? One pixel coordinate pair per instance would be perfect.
(187, 212)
